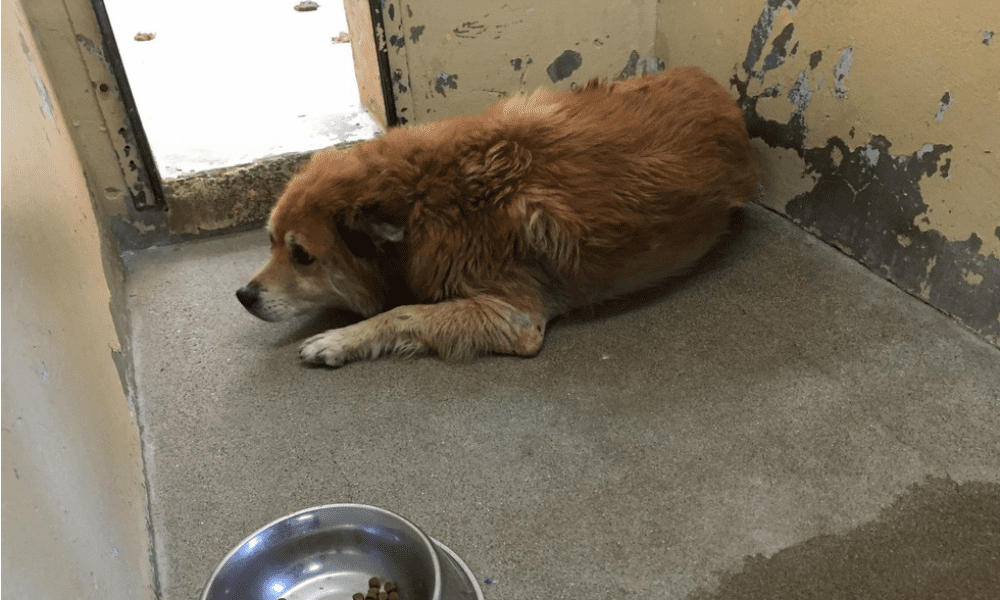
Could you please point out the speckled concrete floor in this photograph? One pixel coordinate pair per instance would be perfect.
(777, 395)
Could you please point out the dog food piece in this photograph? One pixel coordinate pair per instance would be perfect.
(144, 37)
(306, 6)
(376, 591)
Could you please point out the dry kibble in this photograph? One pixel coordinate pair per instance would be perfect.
(379, 591)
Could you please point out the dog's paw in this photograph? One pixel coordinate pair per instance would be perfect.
(333, 348)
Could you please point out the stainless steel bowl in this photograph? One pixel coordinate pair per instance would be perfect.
(330, 552)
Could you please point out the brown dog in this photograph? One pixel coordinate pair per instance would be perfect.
(466, 236)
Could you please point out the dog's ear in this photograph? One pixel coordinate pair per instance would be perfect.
(369, 230)
(492, 174)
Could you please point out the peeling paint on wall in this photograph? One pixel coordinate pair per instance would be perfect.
(398, 82)
(762, 31)
(44, 99)
(868, 205)
(637, 66)
(564, 66)
(943, 107)
(863, 195)
(841, 70)
(779, 49)
(815, 58)
(500, 49)
(445, 80)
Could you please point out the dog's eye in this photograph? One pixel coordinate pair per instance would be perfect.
(301, 257)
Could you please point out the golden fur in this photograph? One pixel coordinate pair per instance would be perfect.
(466, 236)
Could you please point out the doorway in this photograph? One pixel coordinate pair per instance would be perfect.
(229, 82)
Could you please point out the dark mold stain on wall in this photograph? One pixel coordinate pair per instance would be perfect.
(563, 66)
(866, 199)
(416, 32)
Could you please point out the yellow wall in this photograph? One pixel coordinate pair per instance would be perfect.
(905, 57)
(74, 503)
(877, 126)
(451, 57)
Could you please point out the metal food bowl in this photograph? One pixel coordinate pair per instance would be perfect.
(330, 553)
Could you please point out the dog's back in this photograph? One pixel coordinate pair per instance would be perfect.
(630, 181)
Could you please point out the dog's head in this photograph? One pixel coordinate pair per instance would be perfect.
(342, 228)
(329, 240)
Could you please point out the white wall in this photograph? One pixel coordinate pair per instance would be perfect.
(74, 501)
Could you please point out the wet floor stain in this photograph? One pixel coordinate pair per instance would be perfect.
(938, 540)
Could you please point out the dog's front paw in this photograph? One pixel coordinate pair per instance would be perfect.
(334, 347)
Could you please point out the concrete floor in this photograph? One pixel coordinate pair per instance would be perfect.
(777, 395)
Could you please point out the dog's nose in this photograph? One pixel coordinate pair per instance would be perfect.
(248, 295)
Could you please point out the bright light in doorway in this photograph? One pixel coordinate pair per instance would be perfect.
(227, 82)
